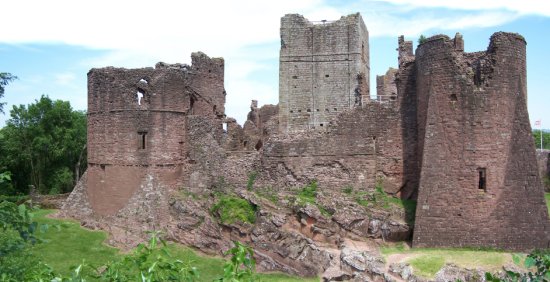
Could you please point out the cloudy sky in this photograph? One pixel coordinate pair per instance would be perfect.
(51, 45)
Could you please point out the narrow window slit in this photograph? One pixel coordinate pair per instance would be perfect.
(142, 139)
(482, 181)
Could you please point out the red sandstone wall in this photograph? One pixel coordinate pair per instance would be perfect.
(473, 115)
(365, 145)
(127, 140)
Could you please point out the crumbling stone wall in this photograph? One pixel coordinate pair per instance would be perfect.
(138, 126)
(323, 70)
(353, 152)
(471, 106)
(543, 160)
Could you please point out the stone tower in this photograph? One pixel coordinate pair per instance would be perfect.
(137, 126)
(479, 183)
(323, 70)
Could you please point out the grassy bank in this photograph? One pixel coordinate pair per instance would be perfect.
(426, 262)
(67, 245)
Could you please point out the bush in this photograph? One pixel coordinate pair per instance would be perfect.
(241, 266)
(539, 264)
(231, 209)
(17, 263)
(422, 39)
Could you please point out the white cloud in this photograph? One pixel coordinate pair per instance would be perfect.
(394, 25)
(523, 7)
(245, 32)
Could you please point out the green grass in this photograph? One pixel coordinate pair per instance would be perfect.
(547, 197)
(426, 262)
(69, 245)
(231, 209)
(308, 194)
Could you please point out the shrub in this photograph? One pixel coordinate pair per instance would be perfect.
(241, 266)
(231, 209)
(539, 264)
(422, 39)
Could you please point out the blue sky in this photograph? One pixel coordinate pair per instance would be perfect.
(51, 45)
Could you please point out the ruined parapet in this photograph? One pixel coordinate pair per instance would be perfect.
(404, 50)
(137, 121)
(260, 125)
(323, 70)
(468, 194)
(386, 89)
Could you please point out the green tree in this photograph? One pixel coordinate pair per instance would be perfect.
(5, 79)
(545, 139)
(42, 143)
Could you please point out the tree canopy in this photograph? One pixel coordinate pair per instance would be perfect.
(41, 145)
(5, 78)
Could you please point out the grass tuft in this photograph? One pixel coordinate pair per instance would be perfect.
(231, 209)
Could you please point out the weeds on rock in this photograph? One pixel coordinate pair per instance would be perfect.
(308, 195)
(251, 178)
(380, 199)
(231, 209)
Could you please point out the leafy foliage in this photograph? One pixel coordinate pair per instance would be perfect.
(5, 79)
(537, 261)
(41, 144)
(17, 263)
(231, 209)
(241, 267)
(545, 139)
(149, 263)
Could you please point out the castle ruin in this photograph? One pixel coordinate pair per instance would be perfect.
(448, 128)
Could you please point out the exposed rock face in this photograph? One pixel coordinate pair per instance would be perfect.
(452, 272)
(403, 270)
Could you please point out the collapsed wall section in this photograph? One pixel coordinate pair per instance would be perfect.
(323, 70)
(470, 106)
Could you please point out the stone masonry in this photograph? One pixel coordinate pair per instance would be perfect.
(155, 134)
(323, 70)
(471, 105)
